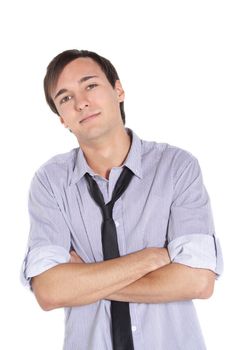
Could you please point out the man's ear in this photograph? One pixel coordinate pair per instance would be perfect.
(120, 91)
(63, 122)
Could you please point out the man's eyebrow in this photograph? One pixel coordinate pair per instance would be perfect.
(82, 80)
(60, 92)
(87, 78)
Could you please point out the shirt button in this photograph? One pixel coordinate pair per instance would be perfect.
(134, 328)
(117, 223)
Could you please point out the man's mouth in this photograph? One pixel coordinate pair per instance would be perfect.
(89, 117)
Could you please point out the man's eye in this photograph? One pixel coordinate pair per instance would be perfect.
(91, 86)
(65, 99)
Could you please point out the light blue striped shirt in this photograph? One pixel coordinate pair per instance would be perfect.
(165, 205)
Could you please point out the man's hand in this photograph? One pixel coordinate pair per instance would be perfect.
(75, 258)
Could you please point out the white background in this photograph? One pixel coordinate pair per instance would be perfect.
(175, 60)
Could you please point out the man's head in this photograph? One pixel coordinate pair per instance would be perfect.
(58, 64)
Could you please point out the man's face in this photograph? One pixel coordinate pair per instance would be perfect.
(87, 103)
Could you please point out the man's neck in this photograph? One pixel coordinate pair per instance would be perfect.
(111, 153)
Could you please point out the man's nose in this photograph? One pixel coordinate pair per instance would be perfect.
(81, 102)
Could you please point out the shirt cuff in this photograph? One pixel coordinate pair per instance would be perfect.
(198, 251)
(41, 259)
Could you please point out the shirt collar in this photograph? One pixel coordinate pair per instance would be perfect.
(133, 159)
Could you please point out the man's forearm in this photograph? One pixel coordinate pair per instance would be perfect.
(75, 284)
(173, 282)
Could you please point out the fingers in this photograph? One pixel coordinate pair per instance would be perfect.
(75, 258)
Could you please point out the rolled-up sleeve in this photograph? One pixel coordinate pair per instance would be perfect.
(191, 234)
(49, 237)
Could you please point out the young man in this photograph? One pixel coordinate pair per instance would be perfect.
(125, 257)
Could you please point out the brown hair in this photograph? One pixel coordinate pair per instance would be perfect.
(58, 63)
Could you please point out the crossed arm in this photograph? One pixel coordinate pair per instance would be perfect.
(146, 276)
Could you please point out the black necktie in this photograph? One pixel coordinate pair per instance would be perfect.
(121, 323)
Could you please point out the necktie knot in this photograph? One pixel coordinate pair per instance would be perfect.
(107, 210)
(121, 185)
